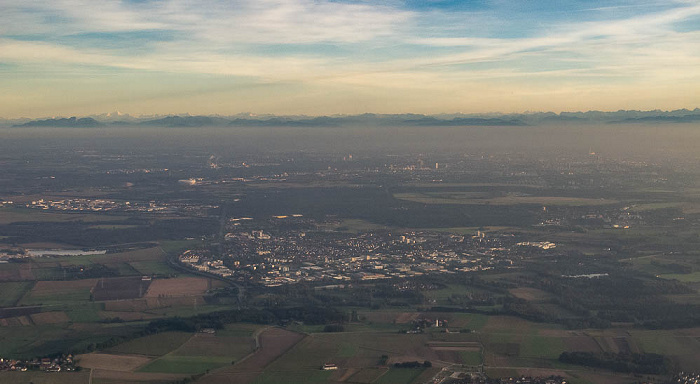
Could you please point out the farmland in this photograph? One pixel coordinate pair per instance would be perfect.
(58, 292)
(120, 288)
(18, 215)
(274, 343)
(190, 365)
(153, 345)
(182, 286)
(494, 260)
(13, 292)
(7, 377)
(231, 347)
(478, 198)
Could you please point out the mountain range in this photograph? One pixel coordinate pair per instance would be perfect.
(368, 119)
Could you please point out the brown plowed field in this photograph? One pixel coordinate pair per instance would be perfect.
(181, 286)
(125, 377)
(581, 343)
(122, 363)
(126, 316)
(49, 318)
(120, 288)
(57, 287)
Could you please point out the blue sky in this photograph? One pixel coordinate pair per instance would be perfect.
(78, 57)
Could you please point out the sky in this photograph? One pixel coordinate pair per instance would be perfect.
(317, 57)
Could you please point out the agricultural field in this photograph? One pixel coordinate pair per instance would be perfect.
(352, 226)
(274, 342)
(110, 362)
(44, 318)
(153, 267)
(152, 345)
(484, 198)
(202, 344)
(272, 377)
(9, 215)
(183, 353)
(120, 288)
(87, 312)
(34, 340)
(123, 368)
(139, 262)
(530, 294)
(400, 376)
(12, 292)
(59, 292)
(181, 286)
(499, 341)
(16, 272)
(7, 377)
(240, 330)
(171, 247)
(683, 277)
(190, 365)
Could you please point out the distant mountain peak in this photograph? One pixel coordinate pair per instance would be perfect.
(73, 121)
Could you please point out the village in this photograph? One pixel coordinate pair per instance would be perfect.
(63, 363)
(104, 205)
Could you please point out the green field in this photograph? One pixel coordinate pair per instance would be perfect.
(12, 292)
(84, 312)
(473, 321)
(114, 227)
(353, 226)
(153, 267)
(666, 342)
(153, 345)
(542, 347)
(64, 296)
(185, 364)
(15, 215)
(175, 246)
(683, 277)
(136, 262)
(239, 330)
(43, 340)
(481, 198)
(471, 357)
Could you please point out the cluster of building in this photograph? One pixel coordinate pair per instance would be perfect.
(129, 171)
(19, 253)
(594, 217)
(202, 261)
(95, 205)
(102, 205)
(532, 380)
(57, 364)
(686, 378)
(309, 254)
(419, 325)
(538, 244)
(455, 375)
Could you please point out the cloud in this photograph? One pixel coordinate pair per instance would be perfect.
(385, 48)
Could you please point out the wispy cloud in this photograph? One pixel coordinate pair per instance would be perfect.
(394, 46)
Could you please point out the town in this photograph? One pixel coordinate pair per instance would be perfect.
(314, 254)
